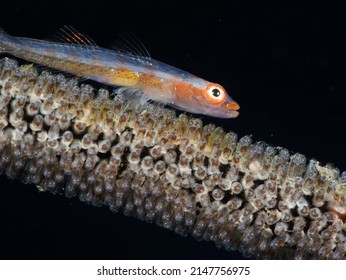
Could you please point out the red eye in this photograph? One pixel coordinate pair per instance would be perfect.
(215, 94)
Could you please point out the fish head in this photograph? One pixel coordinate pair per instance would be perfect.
(215, 102)
(205, 98)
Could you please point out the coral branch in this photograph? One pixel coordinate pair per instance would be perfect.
(190, 178)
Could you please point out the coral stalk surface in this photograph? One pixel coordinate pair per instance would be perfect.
(144, 160)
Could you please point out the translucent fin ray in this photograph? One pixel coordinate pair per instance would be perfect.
(133, 43)
(127, 94)
(68, 34)
(130, 44)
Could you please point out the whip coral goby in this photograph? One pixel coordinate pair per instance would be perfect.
(192, 178)
(135, 74)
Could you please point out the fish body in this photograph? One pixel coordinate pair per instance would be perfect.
(154, 79)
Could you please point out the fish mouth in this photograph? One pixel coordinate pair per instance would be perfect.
(232, 105)
(229, 109)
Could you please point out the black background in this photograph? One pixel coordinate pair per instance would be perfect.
(284, 65)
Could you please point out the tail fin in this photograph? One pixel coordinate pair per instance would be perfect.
(4, 41)
(2, 32)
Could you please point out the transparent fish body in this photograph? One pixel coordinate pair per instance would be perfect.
(148, 78)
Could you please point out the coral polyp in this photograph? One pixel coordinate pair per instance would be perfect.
(144, 160)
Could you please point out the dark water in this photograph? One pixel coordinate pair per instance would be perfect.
(285, 66)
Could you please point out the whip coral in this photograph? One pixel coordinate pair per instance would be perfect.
(192, 178)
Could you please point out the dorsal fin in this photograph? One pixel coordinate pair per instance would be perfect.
(129, 43)
(68, 34)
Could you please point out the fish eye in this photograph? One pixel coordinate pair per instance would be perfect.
(215, 94)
